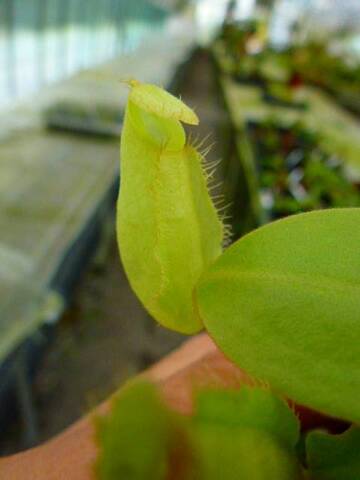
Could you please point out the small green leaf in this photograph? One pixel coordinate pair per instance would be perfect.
(135, 438)
(250, 408)
(334, 457)
(283, 303)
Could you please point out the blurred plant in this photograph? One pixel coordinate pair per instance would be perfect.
(250, 433)
(295, 172)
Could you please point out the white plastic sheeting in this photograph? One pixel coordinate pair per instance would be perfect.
(316, 17)
(44, 42)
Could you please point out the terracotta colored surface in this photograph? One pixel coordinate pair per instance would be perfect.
(71, 455)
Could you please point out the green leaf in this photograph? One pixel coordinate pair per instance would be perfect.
(251, 408)
(245, 434)
(135, 438)
(283, 303)
(334, 457)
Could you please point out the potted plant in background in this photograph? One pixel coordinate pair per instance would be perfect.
(282, 303)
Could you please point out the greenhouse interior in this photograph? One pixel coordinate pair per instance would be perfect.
(180, 226)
